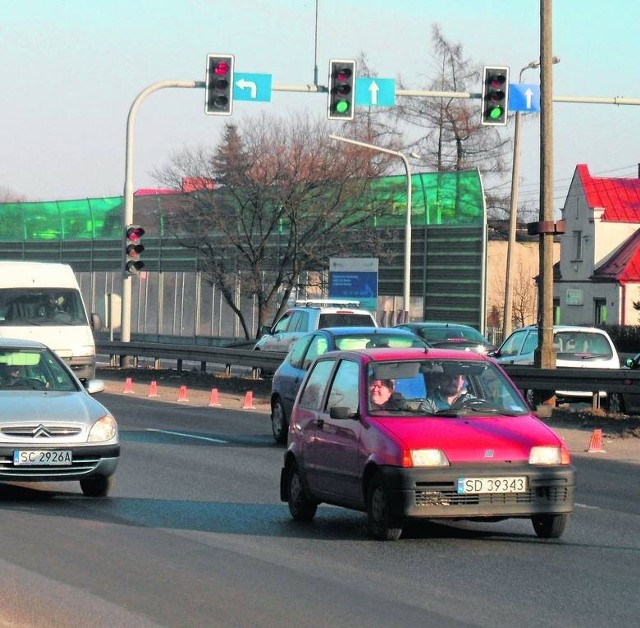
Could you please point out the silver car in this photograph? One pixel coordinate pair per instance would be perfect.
(51, 429)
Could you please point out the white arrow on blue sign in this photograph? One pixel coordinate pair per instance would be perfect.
(524, 97)
(375, 92)
(256, 87)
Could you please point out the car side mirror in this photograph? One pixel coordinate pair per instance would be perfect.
(629, 363)
(265, 329)
(342, 412)
(493, 353)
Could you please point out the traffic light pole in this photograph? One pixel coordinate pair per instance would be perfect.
(127, 217)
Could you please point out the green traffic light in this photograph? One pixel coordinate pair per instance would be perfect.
(342, 106)
(495, 113)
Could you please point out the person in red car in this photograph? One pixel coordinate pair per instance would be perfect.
(382, 396)
(449, 389)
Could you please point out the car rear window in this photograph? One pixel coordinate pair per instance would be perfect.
(345, 319)
(578, 344)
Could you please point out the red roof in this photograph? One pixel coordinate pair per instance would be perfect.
(624, 266)
(620, 198)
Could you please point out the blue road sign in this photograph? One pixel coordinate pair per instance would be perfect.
(375, 92)
(256, 87)
(524, 97)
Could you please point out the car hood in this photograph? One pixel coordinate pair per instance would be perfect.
(47, 406)
(472, 439)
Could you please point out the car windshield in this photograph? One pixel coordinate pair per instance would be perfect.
(33, 369)
(452, 334)
(441, 388)
(21, 307)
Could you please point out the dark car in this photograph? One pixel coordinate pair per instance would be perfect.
(289, 375)
(450, 336)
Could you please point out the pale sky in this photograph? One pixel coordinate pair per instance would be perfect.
(71, 69)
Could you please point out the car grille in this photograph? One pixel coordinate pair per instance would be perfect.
(40, 431)
(554, 494)
(81, 465)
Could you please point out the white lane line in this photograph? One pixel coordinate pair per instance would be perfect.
(212, 440)
(587, 506)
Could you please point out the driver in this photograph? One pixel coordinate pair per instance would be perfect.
(449, 389)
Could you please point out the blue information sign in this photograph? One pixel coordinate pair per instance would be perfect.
(524, 97)
(375, 92)
(256, 87)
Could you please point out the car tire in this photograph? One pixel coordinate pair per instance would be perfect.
(301, 506)
(97, 487)
(279, 422)
(614, 403)
(549, 526)
(382, 525)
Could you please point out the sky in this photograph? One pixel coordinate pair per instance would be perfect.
(72, 70)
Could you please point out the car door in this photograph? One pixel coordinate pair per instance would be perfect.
(289, 376)
(333, 454)
(512, 349)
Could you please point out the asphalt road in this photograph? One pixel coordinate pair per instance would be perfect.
(195, 535)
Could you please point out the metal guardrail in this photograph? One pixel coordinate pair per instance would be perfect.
(524, 377)
(224, 356)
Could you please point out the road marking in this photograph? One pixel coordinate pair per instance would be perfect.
(589, 507)
(212, 440)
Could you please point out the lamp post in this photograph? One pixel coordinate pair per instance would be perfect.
(513, 210)
(407, 230)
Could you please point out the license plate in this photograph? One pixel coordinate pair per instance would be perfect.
(42, 457)
(506, 484)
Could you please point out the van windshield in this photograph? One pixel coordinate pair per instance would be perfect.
(41, 306)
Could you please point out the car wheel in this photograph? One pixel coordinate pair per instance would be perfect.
(97, 487)
(382, 525)
(279, 423)
(301, 507)
(549, 526)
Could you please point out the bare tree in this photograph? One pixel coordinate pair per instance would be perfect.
(285, 198)
(452, 136)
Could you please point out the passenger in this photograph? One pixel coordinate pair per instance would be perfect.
(12, 376)
(448, 390)
(383, 397)
(51, 307)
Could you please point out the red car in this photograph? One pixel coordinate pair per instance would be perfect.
(422, 434)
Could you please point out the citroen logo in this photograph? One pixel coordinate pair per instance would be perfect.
(41, 431)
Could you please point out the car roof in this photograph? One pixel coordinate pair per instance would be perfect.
(568, 328)
(20, 343)
(409, 353)
(436, 324)
(351, 331)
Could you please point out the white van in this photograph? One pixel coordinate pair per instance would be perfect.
(42, 301)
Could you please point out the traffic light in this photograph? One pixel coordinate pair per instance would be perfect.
(133, 250)
(219, 86)
(342, 76)
(495, 95)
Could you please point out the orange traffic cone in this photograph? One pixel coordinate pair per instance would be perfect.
(248, 401)
(595, 444)
(153, 389)
(213, 401)
(128, 385)
(182, 394)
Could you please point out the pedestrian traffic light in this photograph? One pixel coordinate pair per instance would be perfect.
(342, 76)
(495, 95)
(133, 249)
(219, 85)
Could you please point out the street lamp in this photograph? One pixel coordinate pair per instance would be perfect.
(513, 210)
(407, 229)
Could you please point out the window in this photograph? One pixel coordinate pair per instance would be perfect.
(297, 352)
(600, 311)
(577, 252)
(344, 391)
(314, 389)
(512, 344)
(317, 347)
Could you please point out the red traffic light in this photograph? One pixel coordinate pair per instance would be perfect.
(134, 233)
(221, 68)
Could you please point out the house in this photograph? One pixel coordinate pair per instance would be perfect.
(597, 279)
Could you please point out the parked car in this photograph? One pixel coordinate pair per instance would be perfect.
(289, 375)
(309, 315)
(630, 402)
(51, 428)
(450, 336)
(486, 458)
(576, 346)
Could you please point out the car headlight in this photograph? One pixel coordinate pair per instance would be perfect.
(549, 455)
(104, 429)
(425, 458)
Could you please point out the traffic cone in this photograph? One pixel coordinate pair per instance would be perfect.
(213, 401)
(248, 401)
(128, 385)
(595, 444)
(153, 389)
(182, 394)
